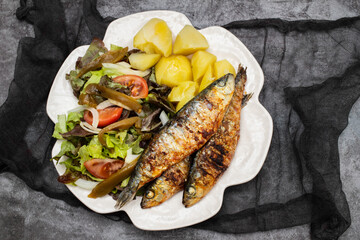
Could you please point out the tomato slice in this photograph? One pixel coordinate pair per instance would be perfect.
(106, 116)
(103, 168)
(137, 85)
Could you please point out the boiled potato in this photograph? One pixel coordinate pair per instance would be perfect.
(143, 61)
(200, 61)
(154, 37)
(173, 70)
(208, 78)
(223, 67)
(189, 40)
(183, 93)
(183, 102)
(183, 90)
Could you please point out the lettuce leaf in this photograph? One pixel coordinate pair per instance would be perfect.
(60, 127)
(67, 149)
(95, 78)
(117, 146)
(95, 148)
(125, 182)
(114, 47)
(76, 83)
(136, 149)
(66, 124)
(96, 47)
(121, 68)
(70, 166)
(73, 119)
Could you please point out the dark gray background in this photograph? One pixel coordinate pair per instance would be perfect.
(26, 214)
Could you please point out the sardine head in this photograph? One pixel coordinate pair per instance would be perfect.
(226, 84)
(152, 197)
(191, 195)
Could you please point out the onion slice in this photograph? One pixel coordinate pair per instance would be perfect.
(164, 118)
(123, 68)
(85, 184)
(104, 104)
(95, 116)
(89, 128)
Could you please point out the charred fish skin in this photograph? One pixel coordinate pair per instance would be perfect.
(215, 156)
(167, 185)
(185, 133)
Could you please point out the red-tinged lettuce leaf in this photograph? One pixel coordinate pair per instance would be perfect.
(96, 47)
(151, 122)
(69, 176)
(77, 131)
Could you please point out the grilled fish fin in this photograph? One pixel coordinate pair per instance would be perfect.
(246, 99)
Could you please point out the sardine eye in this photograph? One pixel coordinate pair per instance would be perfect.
(191, 190)
(222, 83)
(150, 194)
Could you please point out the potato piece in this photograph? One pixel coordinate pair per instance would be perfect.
(143, 61)
(223, 67)
(173, 70)
(200, 61)
(208, 78)
(183, 90)
(154, 37)
(183, 102)
(183, 93)
(189, 40)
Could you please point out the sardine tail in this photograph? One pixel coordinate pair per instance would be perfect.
(125, 196)
(241, 75)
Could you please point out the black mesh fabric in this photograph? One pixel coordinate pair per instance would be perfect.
(312, 79)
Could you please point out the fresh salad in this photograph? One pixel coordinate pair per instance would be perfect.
(120, 109)
(125, 97)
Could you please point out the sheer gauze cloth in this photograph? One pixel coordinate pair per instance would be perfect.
(312, 79)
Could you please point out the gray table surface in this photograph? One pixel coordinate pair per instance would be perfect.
(27, 214)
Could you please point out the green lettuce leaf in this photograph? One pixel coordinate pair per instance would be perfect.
(95, 78)
(117, 147)
(76, 83)
(66, 124)
(73, 119)
(60, 127)
(121, 68)
(95, 148)
(67, 149)
(136, 149)
(114, 47)
(70, 166)
(125, 182)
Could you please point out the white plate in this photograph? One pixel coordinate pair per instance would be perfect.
(256, 124)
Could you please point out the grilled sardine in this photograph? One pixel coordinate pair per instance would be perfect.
(167, 185)
(215, 156)
(185, 133)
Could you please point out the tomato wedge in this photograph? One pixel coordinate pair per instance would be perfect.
(137, 85)
(106, 116)
(103, 168)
